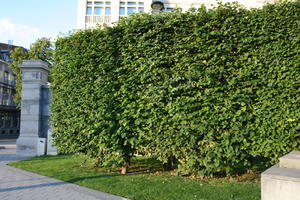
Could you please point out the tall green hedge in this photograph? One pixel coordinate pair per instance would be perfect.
(207, 91)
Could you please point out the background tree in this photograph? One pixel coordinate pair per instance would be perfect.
(41, 49)
(17, 56)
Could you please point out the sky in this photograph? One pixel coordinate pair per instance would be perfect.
(25, 21)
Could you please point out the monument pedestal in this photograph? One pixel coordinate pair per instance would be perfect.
(282, 181)
(35, 74)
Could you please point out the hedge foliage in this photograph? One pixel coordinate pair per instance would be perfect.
(206, 90)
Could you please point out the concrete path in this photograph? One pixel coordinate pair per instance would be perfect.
(17, 184)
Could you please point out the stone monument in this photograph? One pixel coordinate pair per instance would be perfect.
(35, 75)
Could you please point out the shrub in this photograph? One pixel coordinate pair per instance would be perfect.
(207, 90)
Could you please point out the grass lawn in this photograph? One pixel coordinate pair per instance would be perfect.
(144, 183)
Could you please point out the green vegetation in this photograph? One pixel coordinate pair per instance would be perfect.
(140, 185)
(41, 49)
(207, 92)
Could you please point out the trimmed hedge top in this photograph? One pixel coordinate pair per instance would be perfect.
(208, 91)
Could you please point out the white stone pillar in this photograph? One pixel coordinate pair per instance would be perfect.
(35, 74)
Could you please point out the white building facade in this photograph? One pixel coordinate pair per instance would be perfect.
(93, 12)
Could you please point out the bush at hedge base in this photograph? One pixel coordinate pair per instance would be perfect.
(205, 91)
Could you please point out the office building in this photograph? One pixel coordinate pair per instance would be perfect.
(93, 12)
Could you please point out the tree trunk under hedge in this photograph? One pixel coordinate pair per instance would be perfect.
(126, 165)
(170, 164)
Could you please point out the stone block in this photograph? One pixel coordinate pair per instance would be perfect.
(29, 127)
(35, 71)
(30, 108)
(280, 184)
(291, 160)
(27, 145)
(45, 110)
(26, 117)
(41, 146)
(30, 86)
(51, 149)
(282, 181)
(31, 94)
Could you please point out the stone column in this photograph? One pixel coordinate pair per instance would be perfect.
(35, 74)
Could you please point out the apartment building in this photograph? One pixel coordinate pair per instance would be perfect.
(9, 114)
(93, 12)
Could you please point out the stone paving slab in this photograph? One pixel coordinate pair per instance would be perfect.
(17, 184)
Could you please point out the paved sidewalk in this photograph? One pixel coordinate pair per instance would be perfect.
(17, 184)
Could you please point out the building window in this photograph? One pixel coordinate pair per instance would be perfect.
(89, 3)
(7, 120)
(89, 11)
(98, 11)
(6, 76)
(15, 120)
(130, 7)
(107, 3)
(141, 9)
(5, 97)
(107, 11)
(169, 10)
(13, 81)
(1, 120)
(122, 11)
(98, 3)
(131, 3)
(131, 10)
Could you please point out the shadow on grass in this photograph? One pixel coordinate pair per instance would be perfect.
(146, 165)
(74, 180)
(47, 157)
